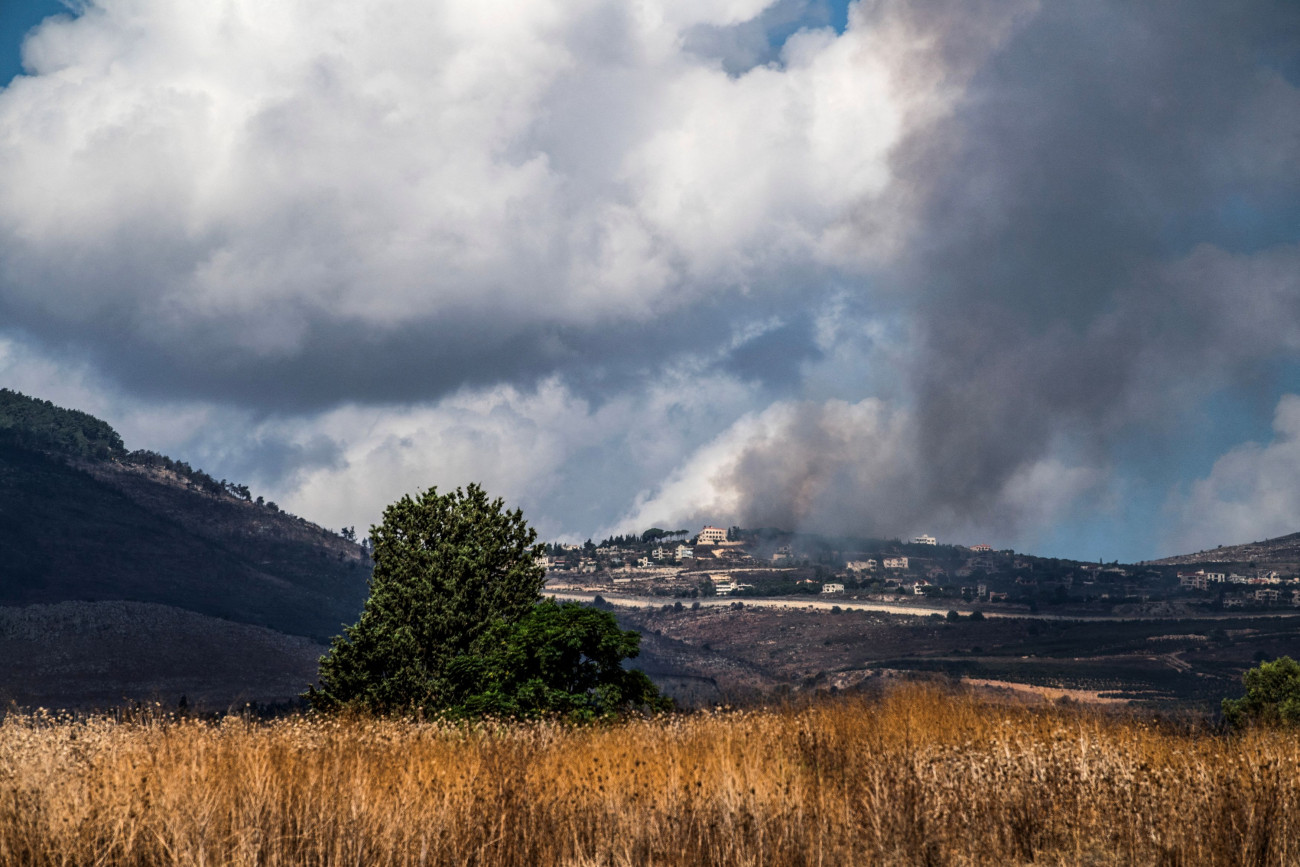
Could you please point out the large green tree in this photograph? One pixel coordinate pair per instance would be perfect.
(1272, 695)
(453, 623)
(447, 567)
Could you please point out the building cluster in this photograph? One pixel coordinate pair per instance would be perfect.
(716, 562)
(711, 559)
(1265, 586)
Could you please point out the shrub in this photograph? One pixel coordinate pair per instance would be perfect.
(1272, 695)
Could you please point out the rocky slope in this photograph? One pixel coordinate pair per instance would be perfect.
(1282, 551)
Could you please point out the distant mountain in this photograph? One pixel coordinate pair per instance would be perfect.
(1282, 551)
(82, 520)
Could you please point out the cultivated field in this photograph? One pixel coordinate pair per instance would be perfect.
(918, 776)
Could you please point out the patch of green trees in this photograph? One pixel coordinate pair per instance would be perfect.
(1272, 696)
(455, 625)
(39, 424)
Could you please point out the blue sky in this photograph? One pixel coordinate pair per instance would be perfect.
(1025, 274)
(16, 18)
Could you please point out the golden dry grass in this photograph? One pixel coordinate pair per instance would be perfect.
(918, 777)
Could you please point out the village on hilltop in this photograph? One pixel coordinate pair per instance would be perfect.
(736, 562)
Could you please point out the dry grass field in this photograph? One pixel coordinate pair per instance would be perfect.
(916, 777)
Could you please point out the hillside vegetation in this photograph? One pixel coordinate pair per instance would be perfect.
(129, 576)
(920, 777)
(35, 423)
(83, 520)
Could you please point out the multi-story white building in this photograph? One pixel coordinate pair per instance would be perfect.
(861, 565)
(685, 553)
(832, 588)
(895, 562)
(712, 534)
(925, 540)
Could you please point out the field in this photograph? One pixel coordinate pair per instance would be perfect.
(917, 776)
(717, 655)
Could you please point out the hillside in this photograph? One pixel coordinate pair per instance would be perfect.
(1281, 552)
(78, 530)
(102, 654)
(240, 595)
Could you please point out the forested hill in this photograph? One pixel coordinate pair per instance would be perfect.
(84, 520)
(35, 423)
(39, 425)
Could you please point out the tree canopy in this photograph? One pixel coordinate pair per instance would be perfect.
(1272, 695)
(453, 623)
(559, 658)
(39, 424)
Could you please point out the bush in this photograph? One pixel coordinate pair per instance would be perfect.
(1272, 696)
(560, 658)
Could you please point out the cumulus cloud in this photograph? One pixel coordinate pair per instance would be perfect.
(255, 200)
(1252, 492)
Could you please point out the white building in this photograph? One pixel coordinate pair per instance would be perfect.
(925, 540)
(895, 562)
(861, 565)
(832, 588)
(685, 553)
(712, 534)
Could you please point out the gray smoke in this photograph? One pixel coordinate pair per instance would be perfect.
(1095, 251)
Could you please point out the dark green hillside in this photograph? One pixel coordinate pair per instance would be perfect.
(83, 520)
(110, 533)
(40, 424)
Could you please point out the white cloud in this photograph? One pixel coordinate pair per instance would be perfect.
(197, 192)
(212, 177)
(566, 462)
(1251, 493)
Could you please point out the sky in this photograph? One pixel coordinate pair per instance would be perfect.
(1016, 273)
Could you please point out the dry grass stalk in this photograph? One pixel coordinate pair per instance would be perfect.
(919, 777)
